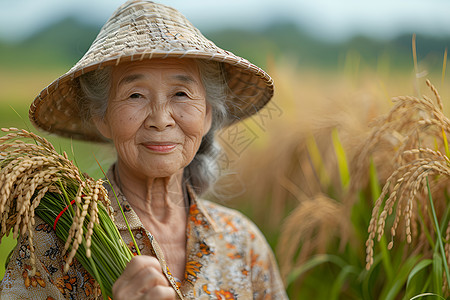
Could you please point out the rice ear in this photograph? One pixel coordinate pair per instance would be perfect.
(27, 172)
(422, 127)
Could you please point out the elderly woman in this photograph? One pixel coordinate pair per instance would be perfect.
(158, 90)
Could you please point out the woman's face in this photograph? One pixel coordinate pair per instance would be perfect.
(157, 115)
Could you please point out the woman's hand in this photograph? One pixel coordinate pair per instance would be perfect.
(143, 279)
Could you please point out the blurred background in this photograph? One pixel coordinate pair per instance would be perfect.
(336, 66)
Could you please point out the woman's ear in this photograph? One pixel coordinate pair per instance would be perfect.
(102, 126)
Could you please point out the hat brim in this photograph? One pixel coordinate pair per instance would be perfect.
(134, 33)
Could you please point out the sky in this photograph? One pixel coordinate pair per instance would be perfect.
(327, 19)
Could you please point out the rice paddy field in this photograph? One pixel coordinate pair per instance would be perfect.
(346, 172)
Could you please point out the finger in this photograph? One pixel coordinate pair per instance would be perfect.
(160, 293)
(138, 263)
(143, 280)
(138, 286)
(139, 276)
(149, 278)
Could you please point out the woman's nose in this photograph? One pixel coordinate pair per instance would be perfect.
(160, 118)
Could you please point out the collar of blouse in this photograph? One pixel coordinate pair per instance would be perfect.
(196, 209)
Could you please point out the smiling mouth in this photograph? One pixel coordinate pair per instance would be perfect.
(161, 148)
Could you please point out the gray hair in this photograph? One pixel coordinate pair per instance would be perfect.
(203, 171)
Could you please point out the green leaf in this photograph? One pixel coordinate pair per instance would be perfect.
(438, 234)
(368, 281)
(444, 136)
(341, 159)
(426, 294)
(312, 263)
(317, 161)
(419, 278)
(437, 273)
(394, 287)
(340, 280)
(419, 267)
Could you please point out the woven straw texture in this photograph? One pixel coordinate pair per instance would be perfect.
(141, 30)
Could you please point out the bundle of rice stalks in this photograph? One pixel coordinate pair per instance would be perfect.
(36, 179)
(418, 128)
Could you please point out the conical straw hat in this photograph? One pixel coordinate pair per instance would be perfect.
(141, 30)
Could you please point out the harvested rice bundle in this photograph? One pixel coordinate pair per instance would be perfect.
(36, 179)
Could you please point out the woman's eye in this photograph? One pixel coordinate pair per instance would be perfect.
(135, 96)
(180, 94)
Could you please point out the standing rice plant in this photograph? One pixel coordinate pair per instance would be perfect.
(323, 171)
(414, 132)
(409, 136)
(318, 238)
(421, 169)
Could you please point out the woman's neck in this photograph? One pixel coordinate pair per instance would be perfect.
(159, 204)
(153, 199)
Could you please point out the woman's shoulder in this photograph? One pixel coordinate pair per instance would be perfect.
(231, 220)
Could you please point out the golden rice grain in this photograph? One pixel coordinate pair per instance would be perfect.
(35, 168)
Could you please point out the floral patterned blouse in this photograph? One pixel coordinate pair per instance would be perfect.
(227, 257)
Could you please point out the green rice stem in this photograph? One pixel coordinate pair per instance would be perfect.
(120, 207)
(109, 256)
(438, 234)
